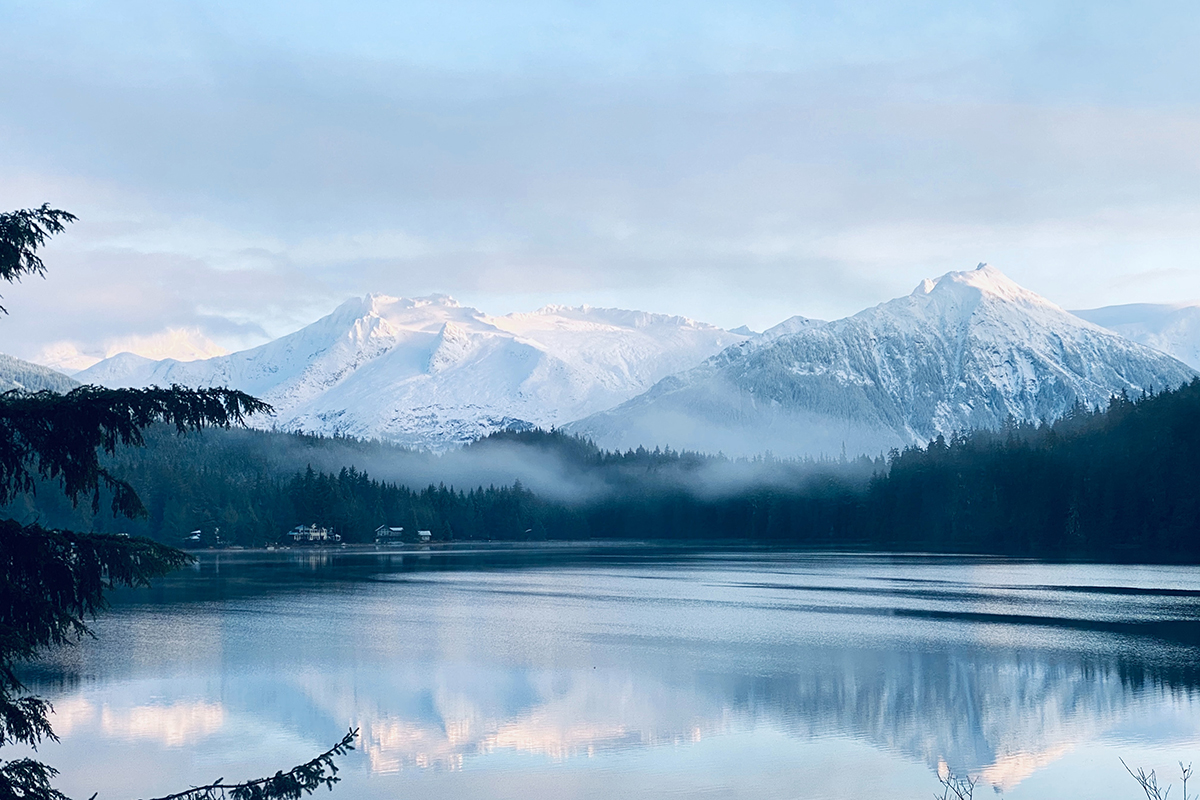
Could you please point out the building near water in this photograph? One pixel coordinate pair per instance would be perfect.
(388, 534)
(312, 534)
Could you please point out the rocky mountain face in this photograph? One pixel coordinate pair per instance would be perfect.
(963, 351)
(427, 372)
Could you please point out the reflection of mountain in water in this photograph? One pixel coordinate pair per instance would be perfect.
(989, 712)
(999, 713)
(993, 668)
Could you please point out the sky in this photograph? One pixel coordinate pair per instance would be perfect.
(239, 169)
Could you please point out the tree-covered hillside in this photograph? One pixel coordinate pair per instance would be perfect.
(1119, 482)
(1124, 481)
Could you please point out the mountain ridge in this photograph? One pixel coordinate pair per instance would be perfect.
(960, 351)
(1172, 328)
(16, 373)
(963, 351)
(429, 372)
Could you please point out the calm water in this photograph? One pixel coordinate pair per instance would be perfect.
(634, 673)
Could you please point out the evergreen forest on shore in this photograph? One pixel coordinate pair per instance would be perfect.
(1114, 483)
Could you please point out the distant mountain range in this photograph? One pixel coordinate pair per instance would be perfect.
(430, 373)
(1175, 330)
(965, 350)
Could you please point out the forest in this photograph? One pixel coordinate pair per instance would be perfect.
(1114, 483)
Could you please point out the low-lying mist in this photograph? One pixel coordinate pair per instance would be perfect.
(552, 464)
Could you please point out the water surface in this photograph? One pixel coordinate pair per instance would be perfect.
(635, 672)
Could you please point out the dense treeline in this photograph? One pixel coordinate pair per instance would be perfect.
(245, 483)
(1119, 482)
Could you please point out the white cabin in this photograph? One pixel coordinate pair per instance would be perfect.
(312, 534)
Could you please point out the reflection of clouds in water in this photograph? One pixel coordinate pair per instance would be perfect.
(999, 715)
(592, 712)
(71, 713)
(460, 672)
(1002, 720)
(176, 724)
(394, 744)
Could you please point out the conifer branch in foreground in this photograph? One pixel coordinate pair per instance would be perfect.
(300, 780)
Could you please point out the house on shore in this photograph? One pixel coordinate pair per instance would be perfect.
(387, 534)
(313, 534)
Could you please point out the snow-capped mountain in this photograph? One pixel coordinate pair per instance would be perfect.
(960, 352)
(1175, 330)
(428, 372)
(18, 374)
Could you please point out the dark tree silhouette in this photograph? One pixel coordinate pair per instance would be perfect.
(52, 581)
(22, 232)
(296, 782)
(59, 437)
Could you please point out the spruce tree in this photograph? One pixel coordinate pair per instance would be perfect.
(52, 582)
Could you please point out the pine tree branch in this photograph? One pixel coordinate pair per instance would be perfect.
(22, 232)
(296, 782)
(59, 436)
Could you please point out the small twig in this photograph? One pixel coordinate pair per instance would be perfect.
(1149, 782)
(962, 788)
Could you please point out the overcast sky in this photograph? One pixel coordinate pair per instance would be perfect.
(241, 168)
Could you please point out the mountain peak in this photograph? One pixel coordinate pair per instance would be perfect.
(444, 300)
(427, 372)
(963, 351)
(375, 303)
(792, 325)
(924, 287)
(982, 281)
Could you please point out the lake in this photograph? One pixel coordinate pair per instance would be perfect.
(605, 672)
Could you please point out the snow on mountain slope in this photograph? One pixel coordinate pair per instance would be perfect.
(18, 374)
(963, 351)
(1175, 330)
(428, 372)
(792, 325)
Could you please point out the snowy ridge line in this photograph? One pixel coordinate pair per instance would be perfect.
(429, 373)
(960, 352)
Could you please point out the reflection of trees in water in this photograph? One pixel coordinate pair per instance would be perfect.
(929, 676)
(228, 574)
(969, 709)
(1000, 712)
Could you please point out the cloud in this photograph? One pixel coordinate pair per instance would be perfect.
(241, 171)
(181, 344)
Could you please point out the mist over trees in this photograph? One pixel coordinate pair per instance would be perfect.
(1117, 482)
